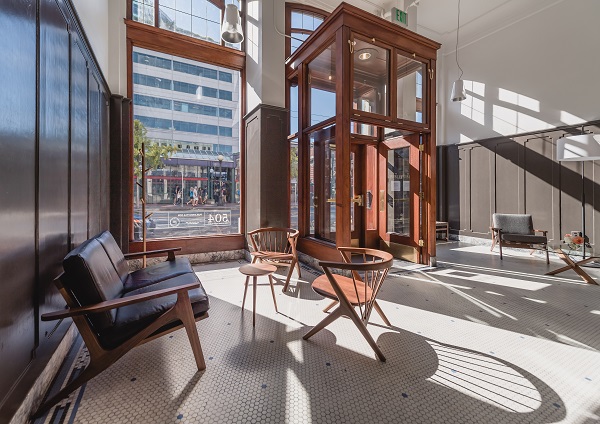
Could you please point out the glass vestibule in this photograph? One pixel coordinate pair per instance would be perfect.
(365, 147)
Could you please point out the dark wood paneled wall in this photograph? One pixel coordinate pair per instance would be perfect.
(267, 153)
(53, 174)
(518, 174)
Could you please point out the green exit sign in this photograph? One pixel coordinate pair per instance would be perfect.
(399, 16)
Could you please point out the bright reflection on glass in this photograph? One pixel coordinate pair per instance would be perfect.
(518, 99)
(322, 89)
(570, 119)
(508, 121)
(398, 178)
(371, 75)
(409, 88)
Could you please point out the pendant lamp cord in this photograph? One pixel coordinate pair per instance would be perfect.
(457, 29)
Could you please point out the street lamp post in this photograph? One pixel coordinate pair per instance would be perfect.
(210, 183)
(220, 159)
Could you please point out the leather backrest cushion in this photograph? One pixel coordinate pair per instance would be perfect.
(91, 276)
(513, 223)
(115, 254)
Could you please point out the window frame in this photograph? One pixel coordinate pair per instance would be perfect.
(220, 4)
(165, 41)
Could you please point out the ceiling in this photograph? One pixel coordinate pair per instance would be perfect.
(437, 19)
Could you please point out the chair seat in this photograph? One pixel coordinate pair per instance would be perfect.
(322, 286)
(524, 238)
(273, 256)
(156, 273)
(131, 319)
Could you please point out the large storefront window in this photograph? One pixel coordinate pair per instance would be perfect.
(187, 113)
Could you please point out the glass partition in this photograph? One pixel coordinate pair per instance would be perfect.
(398, 205)
(321, 80)
(294, 183)
(410, 88)
(322, 171)
(371, 78)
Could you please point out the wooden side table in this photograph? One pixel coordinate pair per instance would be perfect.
(254, 271)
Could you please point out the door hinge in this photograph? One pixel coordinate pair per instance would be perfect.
(421, 147)
(421, 195)
(421, 243)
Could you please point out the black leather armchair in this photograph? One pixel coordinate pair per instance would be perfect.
(116, 310)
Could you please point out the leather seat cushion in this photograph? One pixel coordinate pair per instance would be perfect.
(156, 273)
(524, 238)
(131, 319)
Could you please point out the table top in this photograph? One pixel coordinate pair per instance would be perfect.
(256, 270)
(572, 250)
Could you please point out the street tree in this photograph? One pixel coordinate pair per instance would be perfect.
(155, 153)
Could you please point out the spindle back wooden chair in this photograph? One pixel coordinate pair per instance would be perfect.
(275, 246)
(368, 269)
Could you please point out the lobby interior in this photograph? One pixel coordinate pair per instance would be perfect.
(242, 135)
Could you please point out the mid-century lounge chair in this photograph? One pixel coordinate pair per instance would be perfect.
(368, 269)
(516, 230)
(115, 310)
(275, 246)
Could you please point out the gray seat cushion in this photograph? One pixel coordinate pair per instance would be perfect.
(133, 318)
(156, 273)
(524, 238)
(513, 223)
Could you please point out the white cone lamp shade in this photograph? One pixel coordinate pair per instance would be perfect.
(578, 147)
(231, 30)
(458, 91)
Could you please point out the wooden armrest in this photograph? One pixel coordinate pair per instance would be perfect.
(116, 303)
(171, 253)
(541, 231)
(496, 229)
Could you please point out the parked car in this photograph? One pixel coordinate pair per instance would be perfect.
(137, 226)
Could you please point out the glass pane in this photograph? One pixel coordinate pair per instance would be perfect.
(183, 23)
(192, 145)
(371, 76)
(363, 129)
(398, 207)
(167, 18)
(295, 42)
(198, 28)
(322, 191)
(294, 108)
(322, 86)
(142, 11)
(296, 20)
(410, 88)
(294, 184)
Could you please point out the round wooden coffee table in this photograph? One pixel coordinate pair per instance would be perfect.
(254, 271)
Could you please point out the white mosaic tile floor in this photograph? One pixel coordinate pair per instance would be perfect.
(469, 344)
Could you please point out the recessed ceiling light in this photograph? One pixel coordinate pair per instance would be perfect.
(366, 54)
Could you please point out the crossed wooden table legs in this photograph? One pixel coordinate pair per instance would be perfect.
(574, 265)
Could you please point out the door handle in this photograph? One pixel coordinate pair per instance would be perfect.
(332, 200)
(358, 199)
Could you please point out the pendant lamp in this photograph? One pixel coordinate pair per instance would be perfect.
(231, 30)
(458, 88)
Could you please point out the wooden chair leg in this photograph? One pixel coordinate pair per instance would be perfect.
(361, 327)
(381, 314)
(287, 280)
(186, 315)
(493, 243)
(331, 305)
(547, 255)
(245, 290)
(298, 268)
(500, 246)
(324, 323)
(273, 293)
(254, 301)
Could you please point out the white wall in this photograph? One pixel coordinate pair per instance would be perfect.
(265, 54)
(93, 15)
(116, 76)
(540, 72)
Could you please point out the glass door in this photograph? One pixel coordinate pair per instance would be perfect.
(322, 184)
